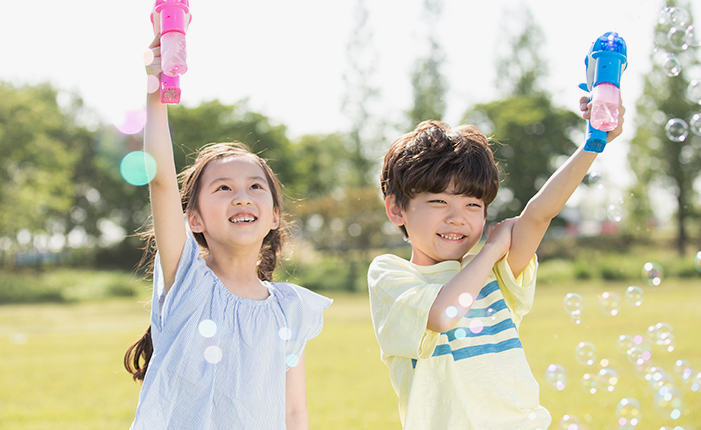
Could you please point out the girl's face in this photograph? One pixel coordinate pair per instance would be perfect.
(235, 204)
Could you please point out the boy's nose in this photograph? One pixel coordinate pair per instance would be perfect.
(455, 218)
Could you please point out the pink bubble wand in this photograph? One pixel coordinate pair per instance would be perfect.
(171, 18)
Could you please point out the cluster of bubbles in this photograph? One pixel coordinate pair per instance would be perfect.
(667, 388)
(680, 36)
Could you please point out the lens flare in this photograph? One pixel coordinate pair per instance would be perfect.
(138, 168)
(207, 328)
(132, 121)
(212, 354)
(284, 333)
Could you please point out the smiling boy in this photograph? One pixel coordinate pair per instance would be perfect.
(447, 321)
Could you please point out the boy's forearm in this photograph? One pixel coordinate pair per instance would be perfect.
(469, 280)
(551, 198)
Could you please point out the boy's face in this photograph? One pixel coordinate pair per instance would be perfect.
(441, 227)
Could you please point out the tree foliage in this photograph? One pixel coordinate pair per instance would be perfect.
(659, 158)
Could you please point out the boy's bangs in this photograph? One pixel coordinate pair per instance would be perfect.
(465, 179)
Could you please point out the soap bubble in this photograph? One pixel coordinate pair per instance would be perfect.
(585, 353)
(590, 384)
(213, 354)
(668, 402)
(662, 335)
(634, 295)
(138, 168)
(570, 422)
(653, 273)
(677, 37)
(624, 343)
(695, 124)
(629, 412)
(615, 212)
(697, 261)
(556, 376)
(676, 130)
(678, 16)
(609, 303)
(608, 378)
(692, 37)
(639, 353)
(573, 304)
(594, 179)
(207, 328)
(671, 65)
(693, 91)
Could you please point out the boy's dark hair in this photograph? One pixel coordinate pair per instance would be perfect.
(139, 354)
(435, 155)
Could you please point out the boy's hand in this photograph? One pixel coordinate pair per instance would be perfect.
(585, 107)
(500, 236)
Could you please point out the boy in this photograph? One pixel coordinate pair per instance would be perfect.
(447, 321)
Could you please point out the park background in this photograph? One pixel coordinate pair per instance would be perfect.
(320, 89)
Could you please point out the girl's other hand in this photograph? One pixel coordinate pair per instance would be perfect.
(585, 107)
(152, 57)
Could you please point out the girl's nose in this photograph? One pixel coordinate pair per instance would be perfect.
(241, 199)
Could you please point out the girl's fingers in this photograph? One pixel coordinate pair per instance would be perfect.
(156, 41)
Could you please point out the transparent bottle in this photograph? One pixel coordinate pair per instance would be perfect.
(173, 53)
(605, 99)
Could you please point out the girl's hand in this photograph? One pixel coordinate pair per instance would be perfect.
(500, 236)
(152, 61)
(585, 107)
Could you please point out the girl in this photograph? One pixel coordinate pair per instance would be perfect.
(225, 349)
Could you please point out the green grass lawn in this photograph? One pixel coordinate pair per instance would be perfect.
(61, 364)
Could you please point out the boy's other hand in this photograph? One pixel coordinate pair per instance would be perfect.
(585, 107)
(500, 236)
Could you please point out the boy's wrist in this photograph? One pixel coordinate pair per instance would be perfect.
(492, 252)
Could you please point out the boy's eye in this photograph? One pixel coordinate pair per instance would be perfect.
(438, 201)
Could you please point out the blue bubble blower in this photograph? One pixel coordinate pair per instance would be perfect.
(605, 64)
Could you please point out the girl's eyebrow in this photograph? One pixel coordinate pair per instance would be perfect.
(227, 178)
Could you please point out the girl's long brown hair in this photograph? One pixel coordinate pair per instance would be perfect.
(139, 354)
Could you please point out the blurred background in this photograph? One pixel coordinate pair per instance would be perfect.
(320, 89)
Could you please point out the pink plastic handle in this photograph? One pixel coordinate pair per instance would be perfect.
(170, 89)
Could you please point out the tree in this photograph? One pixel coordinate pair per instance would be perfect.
(427, 81)
(533, 135)
(663, 152)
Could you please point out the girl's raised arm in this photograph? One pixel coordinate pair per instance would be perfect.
(166, 207)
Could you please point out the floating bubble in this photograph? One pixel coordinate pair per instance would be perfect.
(138, 168)
(653, 273)
(585, 353)
(677, 38)
(615, 212)
(629, 412)
(634, 295)
(590, 384)
(212, 354)
(671, 65)
(465, 300)
(451, 311)
(476, 326)
(556, 376)
(207, 328)
(624, 343)
(594, 179)
(662, 335)
(570, 422)
(573, 304)
(695, 124)
(693, 91)
(284, 333)
(678, 16)
(639, 353)
(292, 360)
(692, 37)
(668, 402)
(609, 303)
(697, 261)
(677, 130)
(608, 378)
(132, 121)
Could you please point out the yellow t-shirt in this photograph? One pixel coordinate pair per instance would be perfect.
(474, 376)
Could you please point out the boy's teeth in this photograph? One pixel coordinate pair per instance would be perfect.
(242, 219)
(451, 236)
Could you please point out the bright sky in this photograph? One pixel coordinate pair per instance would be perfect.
(288, 57)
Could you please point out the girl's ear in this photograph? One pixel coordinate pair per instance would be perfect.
(276, 218)
(196, 225)
(394, 212)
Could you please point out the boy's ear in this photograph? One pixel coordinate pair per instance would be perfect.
(196, 225)
(394, 212)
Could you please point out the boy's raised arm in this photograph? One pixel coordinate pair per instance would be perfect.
(533, 222)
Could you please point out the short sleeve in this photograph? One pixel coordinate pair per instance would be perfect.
(400, 301)
(518, 291)
(163, 304)
(304, 318)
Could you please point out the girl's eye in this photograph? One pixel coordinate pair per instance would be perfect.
(257, 186)
(223, 188)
